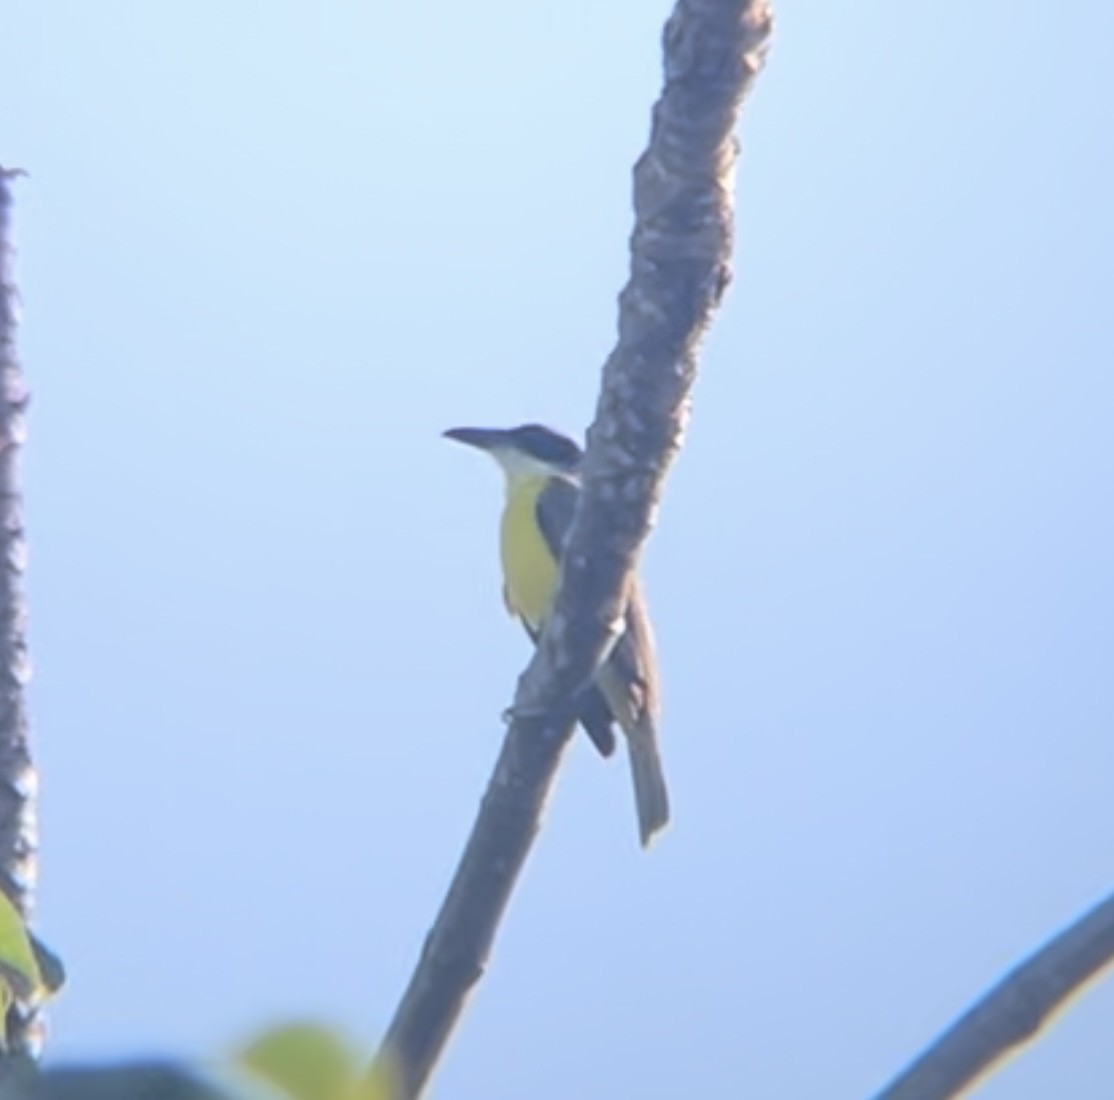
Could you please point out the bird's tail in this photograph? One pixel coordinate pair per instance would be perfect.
(651, 798)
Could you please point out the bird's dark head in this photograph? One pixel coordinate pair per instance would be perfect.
(528, 449)
(548, 446)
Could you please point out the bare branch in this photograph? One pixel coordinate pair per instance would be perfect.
(680, 267)
(17, 778)
(1013, 1012)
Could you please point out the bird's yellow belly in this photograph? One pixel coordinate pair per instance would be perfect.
(529, 569)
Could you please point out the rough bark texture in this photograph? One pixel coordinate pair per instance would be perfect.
(17, 779)
(1013, 1012)
(680, 267)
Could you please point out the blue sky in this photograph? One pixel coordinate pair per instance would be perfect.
(269, 251)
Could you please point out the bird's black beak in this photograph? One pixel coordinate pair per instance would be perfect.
(485, 438)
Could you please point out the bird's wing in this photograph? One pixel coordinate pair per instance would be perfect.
(555, 508)
(633, 660)
(634, 657)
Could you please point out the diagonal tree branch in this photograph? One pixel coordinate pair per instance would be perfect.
(680, 267)
(17, 778)
(1011, 1013)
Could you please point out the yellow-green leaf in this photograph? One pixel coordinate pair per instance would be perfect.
(19, 972)
(304, 1062)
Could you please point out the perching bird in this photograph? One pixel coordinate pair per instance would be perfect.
(542, 483)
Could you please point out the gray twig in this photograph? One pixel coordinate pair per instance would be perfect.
(1011, 1013)
(17, 779)
(680, 267)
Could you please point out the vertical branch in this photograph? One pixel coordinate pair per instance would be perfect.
(680, 267)
(681, 250)
(17, 776)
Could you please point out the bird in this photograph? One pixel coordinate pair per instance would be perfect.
(541, 471)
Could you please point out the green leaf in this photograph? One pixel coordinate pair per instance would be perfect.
(306, 1061)
(20, 979)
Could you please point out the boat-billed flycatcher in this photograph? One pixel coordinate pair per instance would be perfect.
(542, 483)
